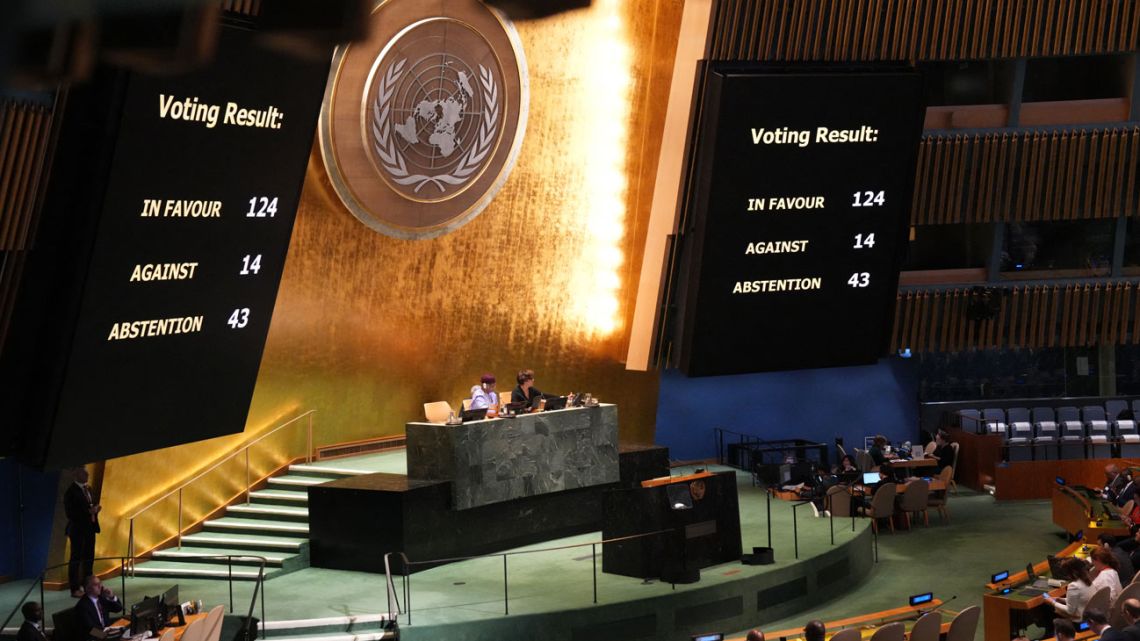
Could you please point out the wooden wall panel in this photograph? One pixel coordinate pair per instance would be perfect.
(1027, 176)
(865, 30)
(1061, 315)
(25, 135)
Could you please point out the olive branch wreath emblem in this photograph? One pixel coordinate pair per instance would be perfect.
(392, 160)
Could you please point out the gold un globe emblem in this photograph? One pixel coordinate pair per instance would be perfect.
(422, 123)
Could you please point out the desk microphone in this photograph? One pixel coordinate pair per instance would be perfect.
(945, 603)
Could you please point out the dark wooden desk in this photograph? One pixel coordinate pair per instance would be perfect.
(1079, 509)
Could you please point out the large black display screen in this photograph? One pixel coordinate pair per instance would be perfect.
(197, 211)
(800, 196)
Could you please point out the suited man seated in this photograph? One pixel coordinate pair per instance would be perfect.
(96, 606)
(1131, 611)
(33, 626)
(1098, 622)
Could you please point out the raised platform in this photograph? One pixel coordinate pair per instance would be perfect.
(550, 594)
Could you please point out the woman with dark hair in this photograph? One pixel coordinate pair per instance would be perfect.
(878, 451)
(847, 470)
(1106, 572)
(1077, 592)
(526, 391)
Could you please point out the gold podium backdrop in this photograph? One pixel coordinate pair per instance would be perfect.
(367, 328)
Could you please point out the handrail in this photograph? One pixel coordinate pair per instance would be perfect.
(408, 564)
(244, 449)
(309, 459)
(258, 591)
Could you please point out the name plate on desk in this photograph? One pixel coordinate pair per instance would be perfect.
(499, 460)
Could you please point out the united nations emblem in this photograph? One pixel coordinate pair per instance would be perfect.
(423, 122)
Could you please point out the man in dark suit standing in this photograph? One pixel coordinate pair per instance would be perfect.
(32, 628)
(96, 606)
(82, 525)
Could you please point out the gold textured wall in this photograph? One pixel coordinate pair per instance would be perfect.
(367, 328)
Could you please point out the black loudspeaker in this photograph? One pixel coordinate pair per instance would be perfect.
(759, 556)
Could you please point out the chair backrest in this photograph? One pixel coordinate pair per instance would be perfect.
(1093, 413)
(1127, 507)
(947, 474)
(167, 635)
(67, 626)
(438, 411)
(890, 632)
(929, 449)
(915, 496)
(954, 463)
(963, 626)
(848, 634)
(884, 500)
(1114, 407)
(842, 452)
(1136, 407)
(213, 630)
(1116, 612)
(839, 500)
(195, 630)
(1043, 414)
(864, 460)
(994, 419)
(969, 420)
(1068, 413)
(1017, 415)
(927, 628)
(1100, 600)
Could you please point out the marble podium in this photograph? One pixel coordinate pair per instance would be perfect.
(502, 459)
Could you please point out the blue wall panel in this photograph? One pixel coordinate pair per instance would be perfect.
(27, 506)
(818, 404)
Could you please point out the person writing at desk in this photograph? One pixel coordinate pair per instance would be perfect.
(484, 395)
(526, 391)
(878, 452)
(1077, 592)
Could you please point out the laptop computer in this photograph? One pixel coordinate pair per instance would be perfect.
(1037, 585)
(871, 478)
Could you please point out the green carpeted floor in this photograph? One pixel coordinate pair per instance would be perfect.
(984, 537)
(949, 560)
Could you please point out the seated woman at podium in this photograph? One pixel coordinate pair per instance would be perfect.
(484, 395)
(526, 392)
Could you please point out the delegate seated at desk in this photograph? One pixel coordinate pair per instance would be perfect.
(526, 392)
(484, 395)
(878, 452)
(1078, 591)
(942, 450)
(95, 606)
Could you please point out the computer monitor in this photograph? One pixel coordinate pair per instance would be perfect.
(171, 608)
(1057, 570)
(474, 414)
(1060, 480)
(680, 498)
(145, 615)
(1029, 573)
(554, 402)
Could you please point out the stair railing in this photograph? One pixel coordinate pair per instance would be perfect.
(129, 558)
(258, 590)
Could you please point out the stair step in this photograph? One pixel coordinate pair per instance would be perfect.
(294, 481)
(251, 542)
(197, 570)
(271, 512)
(359, 624)
(259, 526)
(279, 497)
(377, 635)
(330, 471)
(176, 554)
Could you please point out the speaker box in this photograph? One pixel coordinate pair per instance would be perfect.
(759, 556)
